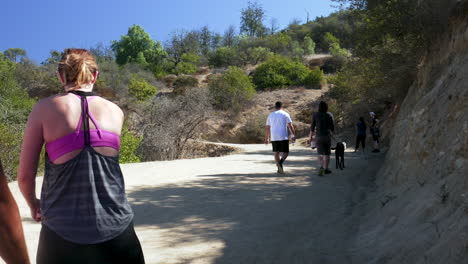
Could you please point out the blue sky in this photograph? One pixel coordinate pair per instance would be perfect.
(39, 26)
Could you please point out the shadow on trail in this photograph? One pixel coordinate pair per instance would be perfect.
(258, 217)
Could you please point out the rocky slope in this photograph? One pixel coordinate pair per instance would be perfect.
(417, 211)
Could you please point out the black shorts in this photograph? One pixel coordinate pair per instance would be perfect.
(376, 138)
(125, 248)
(375, 132)
(280, 146)
(323, 145)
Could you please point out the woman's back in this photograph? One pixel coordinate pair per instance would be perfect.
(83, 197)
(60, 116)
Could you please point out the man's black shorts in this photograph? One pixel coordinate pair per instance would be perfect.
(280, 146)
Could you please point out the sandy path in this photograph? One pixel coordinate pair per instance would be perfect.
(236, 209)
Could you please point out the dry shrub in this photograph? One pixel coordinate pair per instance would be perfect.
(201, 149)
(182, 83)
(169, 123)
(169, 80)
(302, 129)
(254, 129)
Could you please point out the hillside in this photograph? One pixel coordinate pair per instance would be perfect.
(418, 209)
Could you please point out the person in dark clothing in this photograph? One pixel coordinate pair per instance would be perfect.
(322, 129)
(375, 131)
(361, 134)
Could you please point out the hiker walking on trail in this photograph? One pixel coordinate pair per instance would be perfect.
(361, 134)
(375, 131)
(84, 211)
(12, 244)
(321, 130)
(276, 131)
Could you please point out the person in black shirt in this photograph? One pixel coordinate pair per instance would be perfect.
(322, 129)
(375, 131)
(361, 134)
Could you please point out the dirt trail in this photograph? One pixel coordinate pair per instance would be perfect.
(236, 209)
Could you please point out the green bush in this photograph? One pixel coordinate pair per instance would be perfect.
(231, 90)
(141, 89)
(188, 65)
(279, 72)
(309, 46)
(129, 143)
(329, 40)
(10, 143)
(296, 51)
(314, 79)
(15, 106)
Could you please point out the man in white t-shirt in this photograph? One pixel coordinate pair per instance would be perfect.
(276, 131)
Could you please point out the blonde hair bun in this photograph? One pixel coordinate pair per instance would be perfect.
(77, 66)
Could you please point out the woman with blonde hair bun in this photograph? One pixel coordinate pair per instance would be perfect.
(84, 211)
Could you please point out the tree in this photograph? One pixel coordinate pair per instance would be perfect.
(101, 52)
(137, 47)
(296, 51)
(229, 38)
(252, 20)
(54, 57)
(14, 54)
(329, 40)
(216, 41)
(295, 21)
(205, 40)
(309, 46)
(273, 26)
(182, 42)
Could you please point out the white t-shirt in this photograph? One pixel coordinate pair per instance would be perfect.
(278, 122)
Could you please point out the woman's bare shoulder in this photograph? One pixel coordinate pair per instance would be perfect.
(110, 105)
(48, 102)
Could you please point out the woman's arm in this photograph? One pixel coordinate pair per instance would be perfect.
(30, 152)
(12, 245)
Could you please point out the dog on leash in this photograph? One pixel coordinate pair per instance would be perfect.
(339, 154)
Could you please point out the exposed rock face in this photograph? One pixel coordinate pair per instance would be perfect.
(419, 213)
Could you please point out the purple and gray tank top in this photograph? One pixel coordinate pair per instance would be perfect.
(83, 200)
